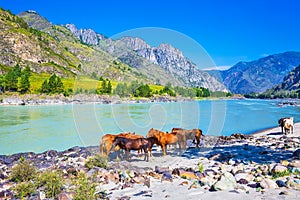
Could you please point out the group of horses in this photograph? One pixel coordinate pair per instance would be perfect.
(132, 141)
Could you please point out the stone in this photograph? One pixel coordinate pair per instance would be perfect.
(246, 176)
(242, 181)
(283, 193)
(278, 168)
(296, 154)
(284, 162)
(281, 183)
(41, 195)
(268, 184)
(295, 163)
(226, 182)
(188, 175)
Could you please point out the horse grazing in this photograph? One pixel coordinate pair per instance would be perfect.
(132, 144)
(287, 124)
(163, 138)
(108, 139)
(184, 135)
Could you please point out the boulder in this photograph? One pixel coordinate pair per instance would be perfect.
(246, 176)
(296, 154)
(268, 184)
(226, 182)
(278, 168)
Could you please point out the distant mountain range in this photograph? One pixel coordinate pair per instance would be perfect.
(30, 39)
(259, 75)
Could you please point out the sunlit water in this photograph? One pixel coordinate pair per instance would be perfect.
(40, 128)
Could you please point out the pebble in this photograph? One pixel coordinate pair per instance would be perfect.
(281, 183)
(268, 184)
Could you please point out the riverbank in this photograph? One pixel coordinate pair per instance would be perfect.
(42, 99)
(264, 165)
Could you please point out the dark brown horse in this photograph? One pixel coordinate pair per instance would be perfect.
(108, 139)
(132, 144)
(163, 138)
(184, 135)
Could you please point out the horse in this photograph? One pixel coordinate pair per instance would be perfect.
(163, 138)
(132, 144)
(151, 141)
(184, 135)
(286, 123)
(108, 139)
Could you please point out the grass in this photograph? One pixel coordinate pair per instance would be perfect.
(98, 161)
(83, 82)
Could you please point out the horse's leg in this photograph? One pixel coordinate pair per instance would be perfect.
(164, 150)
(146, 154)
(127, 154)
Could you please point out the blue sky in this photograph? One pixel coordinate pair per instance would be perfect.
(230, 31)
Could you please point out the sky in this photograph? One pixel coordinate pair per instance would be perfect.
(229, 31)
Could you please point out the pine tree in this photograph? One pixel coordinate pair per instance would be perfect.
(24, 84)
(59, 85)
(45, 87)
(2, 83)
(108, 88)
(52, 83)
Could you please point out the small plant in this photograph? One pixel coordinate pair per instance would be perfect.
(98, 161)
(23, 171)
(52, 181)
(281, 174)
(200, 167)
(24, 189)
(85, 188)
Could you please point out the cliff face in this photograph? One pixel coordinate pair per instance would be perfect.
(290, 82)
(174, 62)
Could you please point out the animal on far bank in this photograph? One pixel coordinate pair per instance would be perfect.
(286, 124)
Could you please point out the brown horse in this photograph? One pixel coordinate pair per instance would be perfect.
(184, 135)
(132, 144)
(151, 141)
(108, 139)
(163, 138)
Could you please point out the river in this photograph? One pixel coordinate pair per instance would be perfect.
(59, 127)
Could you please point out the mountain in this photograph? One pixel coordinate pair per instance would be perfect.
(174, 62)
(259, 75)
(291, 81)
(163, 64)
(30, 39)
(89, 60)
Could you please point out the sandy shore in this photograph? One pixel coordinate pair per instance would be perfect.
(264, 165)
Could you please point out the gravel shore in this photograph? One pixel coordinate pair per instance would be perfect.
(264, 165)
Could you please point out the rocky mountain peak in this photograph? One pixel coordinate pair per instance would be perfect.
(35, 20)
(134, 43)
(87, 36)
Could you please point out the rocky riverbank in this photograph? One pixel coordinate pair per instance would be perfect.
(262, 166)
(42, 99)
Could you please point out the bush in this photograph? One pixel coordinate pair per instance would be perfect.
(85, 188)
(24, 189)
(97, 161)
(23, 171)
(200, 167)
(52, 181)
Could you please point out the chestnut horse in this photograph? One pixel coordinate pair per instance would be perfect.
(184, 135)
(108, 139)
(132, 144)
(163, 138)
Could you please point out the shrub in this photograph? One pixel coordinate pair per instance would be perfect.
(200, 167)
(24, 189)
(23, 171)
(281, 174)
(85, 188)
(52, 181)
(98, 161)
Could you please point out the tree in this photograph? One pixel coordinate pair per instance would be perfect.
(11, 78)
(2, 83)
(45, 87)
(143, 91)
(108, 88)
(24, 83)
(122, 90)
(53, 85)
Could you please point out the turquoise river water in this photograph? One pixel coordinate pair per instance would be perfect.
(59, 127)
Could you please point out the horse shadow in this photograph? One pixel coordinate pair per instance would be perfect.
(245, 153)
